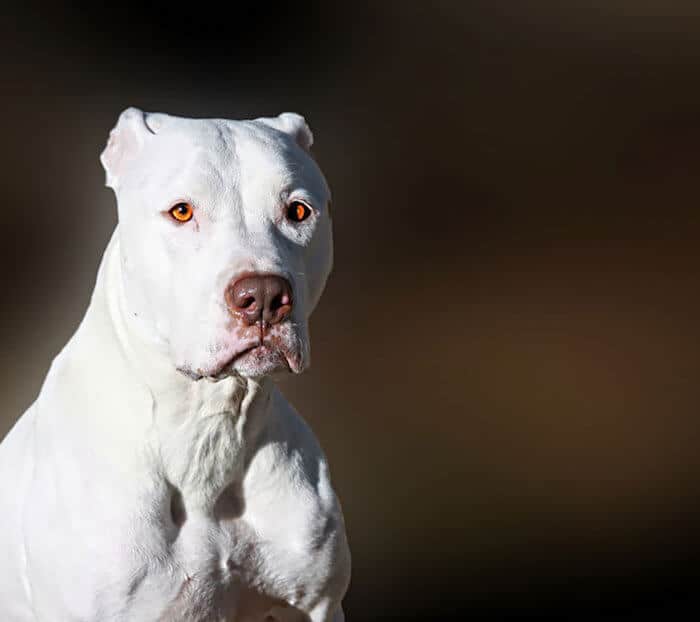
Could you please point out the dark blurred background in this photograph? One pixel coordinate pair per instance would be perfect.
(506, 357)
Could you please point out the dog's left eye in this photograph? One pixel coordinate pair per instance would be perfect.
(182, 212)
(298, 211)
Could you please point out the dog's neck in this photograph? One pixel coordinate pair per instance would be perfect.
(200, 431)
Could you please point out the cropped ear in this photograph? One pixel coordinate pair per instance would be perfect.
(293, 124)
(125, 141)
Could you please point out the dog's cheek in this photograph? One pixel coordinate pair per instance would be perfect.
(141, 295)
(318, 261)
(201, 331)
(191, 338)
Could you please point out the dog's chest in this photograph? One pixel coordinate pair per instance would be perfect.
(198, 549)
(199, 439)
(214, 569)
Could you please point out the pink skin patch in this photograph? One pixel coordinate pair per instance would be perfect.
(254, 351)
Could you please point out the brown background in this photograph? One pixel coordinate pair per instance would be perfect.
(505, 360)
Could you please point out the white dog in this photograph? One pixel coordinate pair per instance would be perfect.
(160, 475)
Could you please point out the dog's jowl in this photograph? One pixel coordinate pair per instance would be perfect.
(160, 474)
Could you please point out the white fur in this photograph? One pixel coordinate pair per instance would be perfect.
(160, 475)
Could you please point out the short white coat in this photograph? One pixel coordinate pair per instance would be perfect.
(157, 476)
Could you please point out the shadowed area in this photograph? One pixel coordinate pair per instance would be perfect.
(505, 360)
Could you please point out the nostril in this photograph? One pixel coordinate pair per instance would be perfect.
(247, 303)
(279, 301)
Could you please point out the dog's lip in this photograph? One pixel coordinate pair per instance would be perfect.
(225, 368)
(220, 371)
(282, 352)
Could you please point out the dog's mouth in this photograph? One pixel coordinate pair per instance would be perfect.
(253, 352)
(260, 358)
(263, 359)
(264, 355)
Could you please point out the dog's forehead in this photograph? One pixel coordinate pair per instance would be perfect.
(211, 158)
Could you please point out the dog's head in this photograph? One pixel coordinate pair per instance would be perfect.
(225, 237)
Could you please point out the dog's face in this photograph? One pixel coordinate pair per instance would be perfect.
(225, 238)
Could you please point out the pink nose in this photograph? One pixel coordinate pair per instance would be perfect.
(260, 298)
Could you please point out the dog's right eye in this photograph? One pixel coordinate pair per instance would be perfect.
(182, 212)
(298, 211)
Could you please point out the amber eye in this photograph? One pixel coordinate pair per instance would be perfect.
(298, 211)
(182, 212)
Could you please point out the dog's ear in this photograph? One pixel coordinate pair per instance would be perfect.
(293, 124)
(126, 139)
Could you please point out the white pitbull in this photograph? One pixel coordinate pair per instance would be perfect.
(160, 475)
